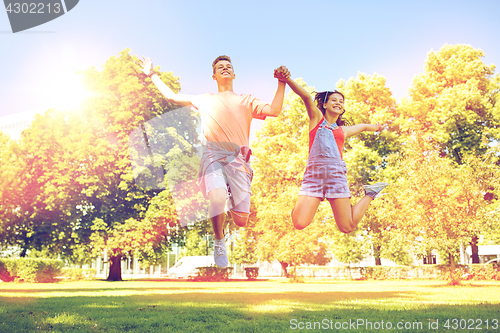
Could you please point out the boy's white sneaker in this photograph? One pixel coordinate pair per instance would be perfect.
(220, 254)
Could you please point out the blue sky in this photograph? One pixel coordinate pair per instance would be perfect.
(320, 41)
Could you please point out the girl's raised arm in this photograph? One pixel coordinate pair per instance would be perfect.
(312, 110)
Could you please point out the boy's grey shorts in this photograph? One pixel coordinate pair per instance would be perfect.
(236, 183)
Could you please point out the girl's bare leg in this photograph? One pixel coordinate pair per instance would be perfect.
(304, 211)
(347, 216)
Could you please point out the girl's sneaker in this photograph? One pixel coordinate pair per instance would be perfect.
(374, 190)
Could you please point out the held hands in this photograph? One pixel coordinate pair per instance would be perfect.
(147, 66)
(282, 73)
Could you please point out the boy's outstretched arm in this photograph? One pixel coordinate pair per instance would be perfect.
(181, 99)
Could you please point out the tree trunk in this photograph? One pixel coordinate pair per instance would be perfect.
(455, 276)
(452, 261)
(474, 250)
(115, 268)
(284, 267)
(376, 255)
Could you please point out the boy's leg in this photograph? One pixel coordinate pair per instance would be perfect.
(240, 218)
(215, 183)
(304, 211)
(217, 203)
(239, 197)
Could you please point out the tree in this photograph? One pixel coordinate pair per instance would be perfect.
(117, 209)
(368, 100)
(438, 204)
(197, 241)
(76, 192)
(386, 240)
(455, 102)
(245, 248)
(49, 161)
(9, 175)
(350, 248)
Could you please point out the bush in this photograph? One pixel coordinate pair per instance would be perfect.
(424, 272)
(212, 273)
(31, 269)
(482, 272)
(443, 272)
(76, 274)
(252, 272)
(4, 272)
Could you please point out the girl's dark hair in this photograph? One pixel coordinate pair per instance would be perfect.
(323, 96)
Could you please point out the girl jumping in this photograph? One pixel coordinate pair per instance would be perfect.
(326, 171)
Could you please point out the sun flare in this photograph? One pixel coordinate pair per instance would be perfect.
(65, 92)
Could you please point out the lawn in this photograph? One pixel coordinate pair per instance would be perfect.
(250, 306)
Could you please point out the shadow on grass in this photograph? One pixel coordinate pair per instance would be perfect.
(266, 308)
(187, 280)
(464, 284)
(225, 312)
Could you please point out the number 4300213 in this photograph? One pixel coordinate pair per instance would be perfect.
(33, 8)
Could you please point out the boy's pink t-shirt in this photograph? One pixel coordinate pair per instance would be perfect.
(227, 116)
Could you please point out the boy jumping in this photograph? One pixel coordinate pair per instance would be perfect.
(225, 171)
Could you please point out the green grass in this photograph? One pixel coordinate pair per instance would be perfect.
(241, 306)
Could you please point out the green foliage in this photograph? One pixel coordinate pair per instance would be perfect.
(196, 244)
(30, 269)
(454, 102)
(73, 169)
(483, 272)
(443, 272)
(212, 273)
(369, 101)
(5, 275)
(386, 240)
(252, 273)
(386, 272)
(78, 274)
(350, 248)
(245, 249)
(443, 204)
(71, 189)
(125, 98)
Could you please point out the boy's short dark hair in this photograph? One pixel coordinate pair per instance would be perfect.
(219, 58)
